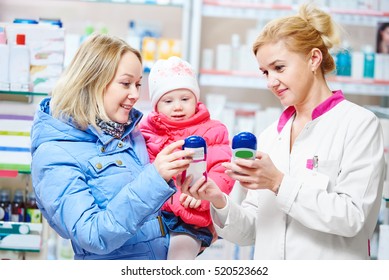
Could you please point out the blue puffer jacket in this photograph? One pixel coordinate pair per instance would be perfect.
(98, 191)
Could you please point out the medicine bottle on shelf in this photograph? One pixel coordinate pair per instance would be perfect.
(18, 207)
(343, 61)
(5, 206)
(369, 61)
(133, 38)
(33, 214)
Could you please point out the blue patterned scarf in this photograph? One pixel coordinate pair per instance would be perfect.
(112, 128)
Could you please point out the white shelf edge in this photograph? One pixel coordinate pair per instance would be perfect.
(131, 2)
(242, 11)
(381, 112)
(234, 81)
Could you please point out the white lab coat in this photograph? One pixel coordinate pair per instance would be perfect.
(329, 213)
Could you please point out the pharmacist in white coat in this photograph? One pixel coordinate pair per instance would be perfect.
(315, 187)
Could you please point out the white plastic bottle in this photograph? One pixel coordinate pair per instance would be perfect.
(369, 61)
(198, 167)
(133, 38)
(52, 245)
(4, 61)
(19, 65)
(235, 52)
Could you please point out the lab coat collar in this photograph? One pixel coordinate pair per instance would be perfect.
(322, 108)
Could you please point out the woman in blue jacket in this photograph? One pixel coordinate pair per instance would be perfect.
(90, 167)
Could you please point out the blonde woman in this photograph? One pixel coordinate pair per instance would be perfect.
(90, 167)
(315, 187)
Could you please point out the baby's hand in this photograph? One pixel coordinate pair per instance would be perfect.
(188, 201)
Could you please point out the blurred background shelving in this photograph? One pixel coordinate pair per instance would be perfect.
(215, 36)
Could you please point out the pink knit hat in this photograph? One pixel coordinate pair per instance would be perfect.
(170, 74)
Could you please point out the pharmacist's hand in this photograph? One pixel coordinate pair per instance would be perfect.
(260, 173)
(172, 160)
(205, 190)
(188, 201)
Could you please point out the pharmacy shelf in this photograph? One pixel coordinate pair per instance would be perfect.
(236, 9)
(255, 11)
(232, 79)
(237, 79)
(23, 93)
(19, 236)
(381, 112)
(12, 170)
(178, 3)
(15, 150)
(367, 87)
(184, 5)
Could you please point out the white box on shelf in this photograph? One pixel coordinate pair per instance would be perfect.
(46, 44)
(223, 57)
(20, 236)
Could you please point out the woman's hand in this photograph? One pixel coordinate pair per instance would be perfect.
(170, 162)
(205, 191)
(260, 173)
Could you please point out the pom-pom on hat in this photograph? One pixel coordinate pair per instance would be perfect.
(170, 74)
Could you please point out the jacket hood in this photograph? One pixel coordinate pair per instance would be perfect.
(47, 128)
(160, 124)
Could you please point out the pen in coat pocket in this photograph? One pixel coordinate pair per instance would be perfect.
(315, 163)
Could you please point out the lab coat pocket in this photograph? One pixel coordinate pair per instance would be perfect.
(315, 179)
(330, 168)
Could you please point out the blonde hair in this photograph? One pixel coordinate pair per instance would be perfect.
(310, 28)
(79, 92)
